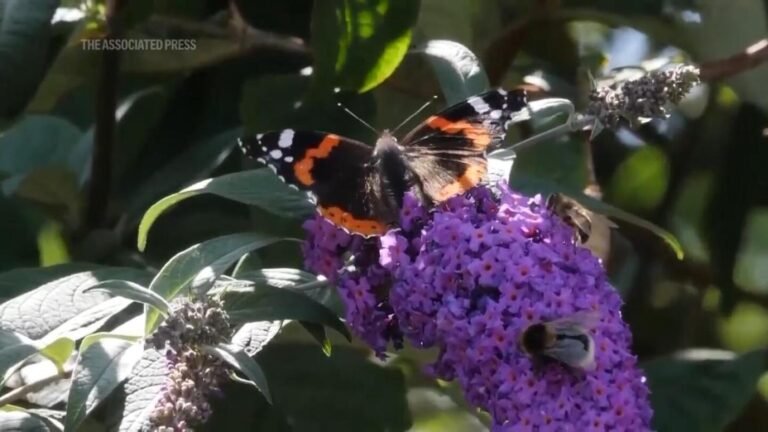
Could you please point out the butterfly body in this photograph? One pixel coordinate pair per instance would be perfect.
(361, 188)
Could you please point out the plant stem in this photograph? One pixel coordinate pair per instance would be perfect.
(576, 124)
(104, 131)
(752, 56)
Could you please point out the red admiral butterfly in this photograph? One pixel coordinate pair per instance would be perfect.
(361, 188)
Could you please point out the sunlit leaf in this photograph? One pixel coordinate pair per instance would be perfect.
(142, 390)
(359, 43)
(60, 308)
(458, 69)
(253, 336)
(52, 246)
(15, 418)
(132, 291)
(102, 365)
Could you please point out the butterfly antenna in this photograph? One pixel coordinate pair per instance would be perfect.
(434, 98)
(340, 105)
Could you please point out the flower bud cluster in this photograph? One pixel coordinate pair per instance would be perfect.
(193, 376)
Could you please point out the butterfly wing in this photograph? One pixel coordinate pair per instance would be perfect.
(447, 151)
(335, 170)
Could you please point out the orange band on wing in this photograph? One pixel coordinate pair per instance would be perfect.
(477, 134)
(339, 217)
(303, 168)
(472, 176)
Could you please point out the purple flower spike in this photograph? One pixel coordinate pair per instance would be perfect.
(469, 278)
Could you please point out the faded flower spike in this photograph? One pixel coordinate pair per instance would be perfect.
(644, 98)
(470, 278)
(193, 376)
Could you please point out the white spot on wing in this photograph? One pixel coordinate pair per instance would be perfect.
(479, 104)
(276, 154)
(286, 138)
(288, 159)
(495, 114)
(272, 167)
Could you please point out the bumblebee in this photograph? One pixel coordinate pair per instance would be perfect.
(583, 221)
(566, 340)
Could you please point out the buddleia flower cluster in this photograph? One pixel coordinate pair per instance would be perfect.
(193, 376)
(467, 278)
(646, 97)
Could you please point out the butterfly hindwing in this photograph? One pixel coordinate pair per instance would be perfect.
(447, 151)
(335, 170)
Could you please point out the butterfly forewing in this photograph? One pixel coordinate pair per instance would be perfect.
(335, 170)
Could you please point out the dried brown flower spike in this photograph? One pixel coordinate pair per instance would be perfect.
(639, 100)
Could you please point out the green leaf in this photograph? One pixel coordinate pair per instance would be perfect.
(252, 337)
(256, 187)
(267, 303)
(132, 291)
(37, 141)
(142, 390)
(297, 280)
(115, 334)
(240, 361)
(563, 159)
(20, 280)
(357, 44)
(198, 267)
(135, 116)
(533, 185)
(16, 349)
(640, 181)
(458, 70)
(24, 37)
(334, 393)
(59, 308)
(53, 187)
(102, 366)
(702, 390)
(319, 334)
(52, 245)
(194, 164)
(59, 351)
(18, 419)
